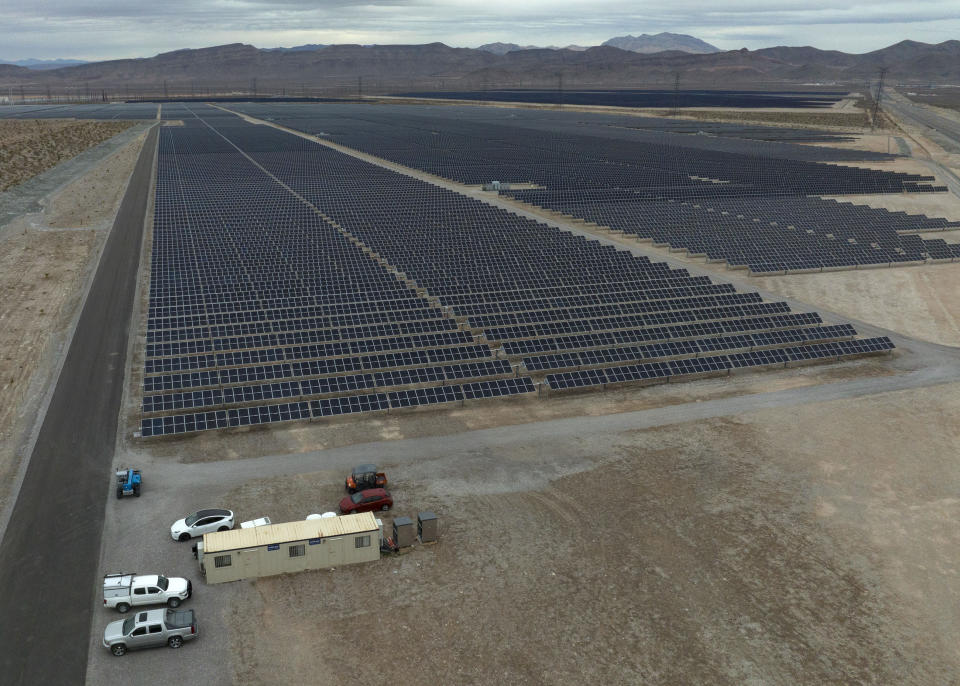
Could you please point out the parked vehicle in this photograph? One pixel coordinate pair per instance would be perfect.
(262, 521)
(200, 523)
(365, 476)
(126, 590)
(150, 629)
(365, 501)
(129, 482)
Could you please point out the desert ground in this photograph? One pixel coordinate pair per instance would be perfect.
(761, 528)
(28, 147)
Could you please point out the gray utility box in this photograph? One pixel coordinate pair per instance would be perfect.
(403, 534)
(427, 527)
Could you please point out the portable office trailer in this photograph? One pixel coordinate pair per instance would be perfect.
(289, 547)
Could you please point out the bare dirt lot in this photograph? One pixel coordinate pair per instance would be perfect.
(806, 545)
(747, 549)
(46, 261)
(30, 146)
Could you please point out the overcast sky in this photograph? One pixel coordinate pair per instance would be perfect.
(106, 29)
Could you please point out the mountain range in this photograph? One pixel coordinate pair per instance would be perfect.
(645, 43)
(392, 68)
(662, 42)
(43, 64)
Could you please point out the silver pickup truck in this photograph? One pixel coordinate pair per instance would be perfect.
(150, 629)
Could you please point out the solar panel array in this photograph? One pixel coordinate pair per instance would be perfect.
(262, 310)
(645, 97)
(747, 203)
(292, 282)
(716, 364)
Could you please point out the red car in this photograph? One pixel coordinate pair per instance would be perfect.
(365, 501)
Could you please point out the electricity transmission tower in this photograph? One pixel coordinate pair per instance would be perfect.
(876, 100)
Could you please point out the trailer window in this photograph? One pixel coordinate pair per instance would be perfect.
(361, 542)
(222, 561)
(297, 550)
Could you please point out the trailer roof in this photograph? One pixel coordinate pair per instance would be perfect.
(286, 532)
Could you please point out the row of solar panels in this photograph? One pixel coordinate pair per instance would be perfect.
(231, 395)
(323, 367)
(707, 346)
(332, 407)
(633, 314)
(538, 314)
(603, 339)
(654, 319)
(349, 341)
(706, 365)
(285, 305)
(516, 302)
(368, 346)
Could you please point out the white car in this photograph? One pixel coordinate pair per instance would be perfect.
(200, 523)
(253, 523)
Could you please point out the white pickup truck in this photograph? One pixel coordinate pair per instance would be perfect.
(125, 590)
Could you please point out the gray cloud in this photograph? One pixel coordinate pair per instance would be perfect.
(93, 29)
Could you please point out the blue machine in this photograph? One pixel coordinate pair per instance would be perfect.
(129, 482)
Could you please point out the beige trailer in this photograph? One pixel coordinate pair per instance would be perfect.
(289, 547)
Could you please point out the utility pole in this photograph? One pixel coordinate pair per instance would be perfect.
(165, 89)
(359, 88)
(876, 100)
(676, 93)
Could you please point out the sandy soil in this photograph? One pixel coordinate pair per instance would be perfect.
(830, 118)
(30, 146)
(744, 550)
(917, 301)
(46, 261)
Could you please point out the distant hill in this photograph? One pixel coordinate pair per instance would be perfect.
(662, 42)
(310, 47)
(43, 64)
(346, 69)
(504, 48)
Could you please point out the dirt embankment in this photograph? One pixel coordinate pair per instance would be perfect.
(856, 119)
(31, 146)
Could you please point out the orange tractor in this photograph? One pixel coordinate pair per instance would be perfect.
(365, 476)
